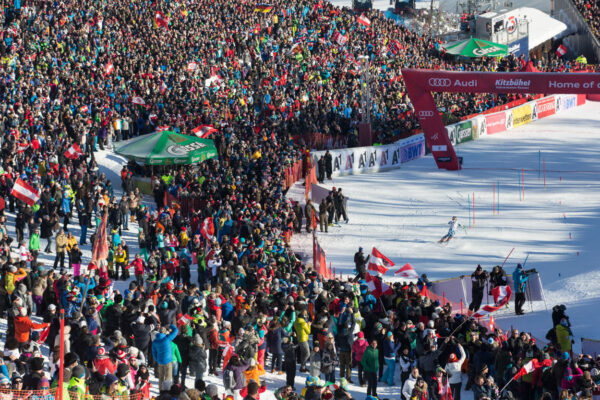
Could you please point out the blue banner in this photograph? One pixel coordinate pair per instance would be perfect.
(412, 151)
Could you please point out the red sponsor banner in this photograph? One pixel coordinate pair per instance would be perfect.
(495, 123)
(546, 107)
(581, 99)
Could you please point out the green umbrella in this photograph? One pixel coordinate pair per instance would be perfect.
(167, 148)
(476, 48)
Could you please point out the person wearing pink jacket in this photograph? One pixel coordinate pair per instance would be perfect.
(569, 378)
(358, 349)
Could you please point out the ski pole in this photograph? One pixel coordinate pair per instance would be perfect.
(507, 256)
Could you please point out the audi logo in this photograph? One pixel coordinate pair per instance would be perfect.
(427, 113)
(440, 82)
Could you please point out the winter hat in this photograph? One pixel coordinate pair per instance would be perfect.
(101, 352)
(360, 334)
(565, 356)
(134, 351)
(78, 371)
(13, 269)
(212, 390)
(197, 340)
(122, 371)
(252, 362)
(453, 358)
(37, 364)
(110, 379)
(430, 324)
(23, 311)
(389, 334)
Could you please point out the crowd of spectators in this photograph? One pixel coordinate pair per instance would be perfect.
(590, 10)
(69, 73)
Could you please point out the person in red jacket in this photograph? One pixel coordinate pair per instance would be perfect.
(138, 270)
(23, 325)
(215, 342)
(103, 363)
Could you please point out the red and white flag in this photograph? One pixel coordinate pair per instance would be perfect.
(161, 20)
(561, 51)
(192, 66)
(376, 286)
(339, 38)
(138, 100)
(501, 298)
(378, 262)
(162, 128)
(25, 192)
(207, 230)
(21, 147)
(492, 324)
(163, 87)
(84, 109)
(74, 152)
(407, 271)
(108, 68)
(361, 19)
(184, 319)
(531, 366)
(204, 131)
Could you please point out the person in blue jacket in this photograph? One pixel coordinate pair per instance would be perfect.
(519, 282)
(163, 354)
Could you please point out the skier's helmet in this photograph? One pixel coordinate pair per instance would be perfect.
(453, 218)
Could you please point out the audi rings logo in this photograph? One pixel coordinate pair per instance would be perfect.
(426, 114)
(439, 82)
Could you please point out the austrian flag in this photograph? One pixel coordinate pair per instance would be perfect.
(204, 131)
(74, 152)
(361, 19)
(531, 366)
(378, 262)
(407, 271)
(501, 298)
(161, 20)
(109, 68)
(208, 228)
(561, 51)
(25, 192)
(377, 287)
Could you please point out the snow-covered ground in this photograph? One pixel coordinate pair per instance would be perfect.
(404, 213)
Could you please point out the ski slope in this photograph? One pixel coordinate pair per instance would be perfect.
(405, 212)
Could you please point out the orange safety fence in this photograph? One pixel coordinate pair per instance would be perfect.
(52, 394)
(293, 174)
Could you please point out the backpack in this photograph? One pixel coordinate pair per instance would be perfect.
(229, 379)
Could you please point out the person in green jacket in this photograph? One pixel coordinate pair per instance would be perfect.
(77, 383)
(563, 336)
(370, 364)
(34, 245)
(176, 358)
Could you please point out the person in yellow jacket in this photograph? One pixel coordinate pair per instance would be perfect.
(13, 276)
(120, 261)
(76, 385)
(563, 336)
(183, 238)
(302, 329)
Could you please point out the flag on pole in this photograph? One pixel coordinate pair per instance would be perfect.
(25, 192)
(561, 51)
(501, 298)
(74, 152)
(531, 366)
(361, 19)
(407, 271)
(84, 109)
(207, 230)
(378, 262)
(161, 20)
(108, 68)
(183, 319)
(163, 87)
(204, 131)
(377, 287)
(100, 247)
(492, 324)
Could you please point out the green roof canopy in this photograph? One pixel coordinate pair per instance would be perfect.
(476, 48)
(167, 148)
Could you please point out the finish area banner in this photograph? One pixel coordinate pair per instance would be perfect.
(421, 83)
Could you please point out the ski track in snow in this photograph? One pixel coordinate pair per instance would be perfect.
(404, 212)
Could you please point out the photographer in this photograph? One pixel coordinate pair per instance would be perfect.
(520, 281)
(478, 280)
